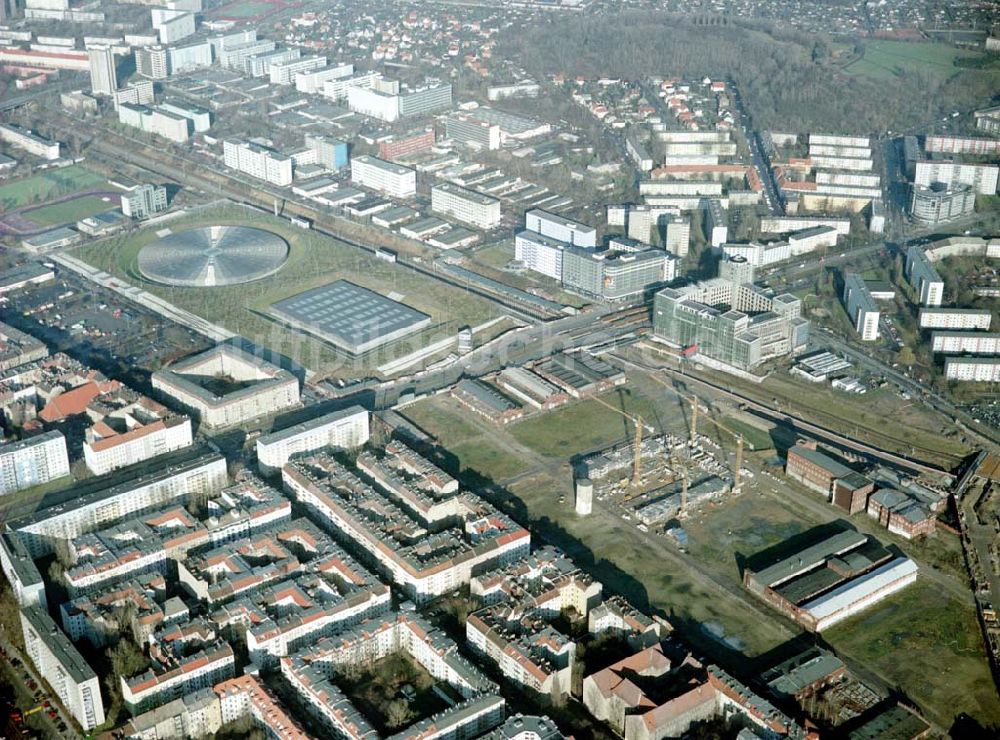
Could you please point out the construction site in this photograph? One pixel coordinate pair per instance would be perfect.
(659, 478)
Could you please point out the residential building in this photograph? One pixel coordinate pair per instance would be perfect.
(155, 120)
(29, 141)
(165, 682)
(402, 145)
(312, 82)
(955, 318)
(386, 177)
(57, 660)
(201, 119)
(103, 73)
(257, 388)
(432, 97)
(330, 153)
(257, 161)
(961, 145)
(716, 221)
(540, 253)
(18, 348)
(21, 572)
(198, 714)
(422, 565)
(467, 206)
(144, 201)
(861, 307)
(129, 429)
(965, 342)
(183, 59)
(923, 277)
(283, 73)
(32, 462)
(96, 505)
(153, 62)
(139, 92)
(259, 65)
(939, 202)
(172, 25)
(982, 178)
(234, 56)
(972, 369)
(248, 696)
(345, 429)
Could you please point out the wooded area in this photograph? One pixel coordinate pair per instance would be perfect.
(790, 79)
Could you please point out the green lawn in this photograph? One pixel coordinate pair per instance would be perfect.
(45, 185)
(884, 60)
(68, 211)
(950, 675)
(245, 9)
(585, 425)
(754, 437)
(314, 260)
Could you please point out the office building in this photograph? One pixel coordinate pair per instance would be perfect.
(152, 62)
(939, 203)
(144, 201)
(55, 658)
(616, 275)
(466, 130)
(861, 307)
(955, 318)
(29, 141)
(467, 206)
(32, 461)
(139, 92)
(924, 277)
(283, 73)
(728, 322)
(346, 429)
(972, 369)
(257, 161)
(982, 178)
(513, 128)
(558, 227)
(386, 177)
(225, 386)
(103, 74)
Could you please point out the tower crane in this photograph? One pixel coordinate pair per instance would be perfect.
(737, 477)
(636, 445)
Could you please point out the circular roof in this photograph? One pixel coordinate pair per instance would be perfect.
(213, 256)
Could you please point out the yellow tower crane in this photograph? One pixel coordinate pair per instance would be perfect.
(636, 445)
(737, 478)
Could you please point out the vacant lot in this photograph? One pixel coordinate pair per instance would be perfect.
(884, 60)
(313, 261)
(69, 211)
(46, 185)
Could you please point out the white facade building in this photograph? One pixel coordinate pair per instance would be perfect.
(980, 177)
(346, 429)
(256, 161)
(955, 318)
(965, 342)
(394, 180)
(467, 206)
(563, 229)
(32, 461)
(972, 369)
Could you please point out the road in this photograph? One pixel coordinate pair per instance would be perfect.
(26, 698)
(761, 161)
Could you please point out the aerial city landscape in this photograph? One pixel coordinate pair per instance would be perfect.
(515, 370)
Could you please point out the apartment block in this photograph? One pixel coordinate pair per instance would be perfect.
(259, 162)
(972, 369)
(955, 318)
(861, 307)
(345, 429)
(144, 201)
(560, 228)
(32, 462)
(923, 277)
(980, 177)
(65, 670)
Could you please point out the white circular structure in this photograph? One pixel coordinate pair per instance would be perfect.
(213, 256)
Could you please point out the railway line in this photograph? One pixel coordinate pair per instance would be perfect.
(117, 147)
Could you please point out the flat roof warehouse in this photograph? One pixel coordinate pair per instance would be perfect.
(350, 317)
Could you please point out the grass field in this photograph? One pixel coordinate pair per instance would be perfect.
(585, 425)
(313, 260)
(884, 59)
(69, 211)
(46, 185)
(756, 439)
(951, 674)
(245, 9)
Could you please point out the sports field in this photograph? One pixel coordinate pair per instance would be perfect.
(46, 185)
(884, 59)
(313, 261)
(247, 9)
(69, 211)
